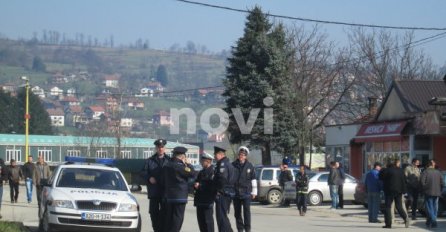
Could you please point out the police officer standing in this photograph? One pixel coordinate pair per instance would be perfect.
(245, 189)
(224, 179)
(205, 194)
(155, 190)
(176, 174)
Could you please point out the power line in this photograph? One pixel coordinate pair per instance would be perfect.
(318, 20)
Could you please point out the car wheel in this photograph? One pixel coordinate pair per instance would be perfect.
(274, 196)
(44, 224)
(314, 198)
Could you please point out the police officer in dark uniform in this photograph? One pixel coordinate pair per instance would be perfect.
(176, 174)
(245, 189)
(155, 191)
(224, 179)
(205, 194)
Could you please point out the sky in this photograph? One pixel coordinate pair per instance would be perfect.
(166, 22)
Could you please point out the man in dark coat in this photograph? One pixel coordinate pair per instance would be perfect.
(205, 194)
(334, 180)
(155, 191)
(394, 182)
(432, 183)
(245, 190)
(28, 172)
(302, 182)
(284, 176)
(14, 176)
(176, 174)
(224, 180)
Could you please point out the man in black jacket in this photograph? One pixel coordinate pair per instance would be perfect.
(28, 171)
(394, 182)
(284, 176)
(224, 179)
(205, 194)
(245, 190)
(176, 174)
(432, 183)
(155, 191)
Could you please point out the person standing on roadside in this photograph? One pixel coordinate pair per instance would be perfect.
(341, 185)
(394, 183)
(14, 176)
(334, 180)
(28, 171)
(245, 190)
(284, 176)
(41, 172)
(373, 188)
(153, 169)
(432, 183)
(301, 190)
(205, 194)
(413, 173)
(3, 177)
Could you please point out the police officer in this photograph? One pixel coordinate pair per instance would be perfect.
(245, 189)
(176, 174)
(205, 194)
(155, 190)
(224, 179)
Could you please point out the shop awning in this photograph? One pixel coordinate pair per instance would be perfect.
(375, 132)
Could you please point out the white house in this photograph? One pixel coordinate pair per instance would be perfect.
(112, 81)
(57, 117)
(127, 122)
(56, 91)
(94, 112)
(71, 92)
(36, 90)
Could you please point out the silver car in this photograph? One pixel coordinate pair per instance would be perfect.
(318, 190)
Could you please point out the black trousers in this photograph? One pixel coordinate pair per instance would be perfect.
(14, 190)
(205, 217)
(222, 204)
(174, 217)
(389, 198)
(156, 211)
(243, 222)
(413, 194)
(341, 196)
(301, 201)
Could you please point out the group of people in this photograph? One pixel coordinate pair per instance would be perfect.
(32, 173)
(168, 181)
(395, 182)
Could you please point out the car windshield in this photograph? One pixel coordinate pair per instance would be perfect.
(91, 178)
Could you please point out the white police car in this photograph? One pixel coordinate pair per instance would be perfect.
(87, 196)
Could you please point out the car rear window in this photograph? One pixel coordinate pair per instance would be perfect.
(91, 178)
(323, 178)
(267, 174)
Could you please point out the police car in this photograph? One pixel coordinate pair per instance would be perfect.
(88, 196)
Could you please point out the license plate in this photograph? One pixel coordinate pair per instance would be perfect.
(96, 216)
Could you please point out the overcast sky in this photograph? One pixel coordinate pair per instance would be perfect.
(165, 22)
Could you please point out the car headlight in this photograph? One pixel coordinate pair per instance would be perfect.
(127, 207)
(63, 204)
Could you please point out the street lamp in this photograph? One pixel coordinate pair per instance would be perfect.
(27, 117)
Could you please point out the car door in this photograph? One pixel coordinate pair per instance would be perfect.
(322, 186)
(349, 187)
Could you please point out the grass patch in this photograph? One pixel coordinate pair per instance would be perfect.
(6, 226)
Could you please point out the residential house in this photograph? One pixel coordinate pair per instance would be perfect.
(8, 88)
(162, 118)
(59, 78)
(75, 116)
(126, 122)
(155, 86)
(36, 90)
(217, 138)
(94, 112)
(134, 104)
(57, 117)
(71, 92)
(111, 81)
(70, 101)
(145, 92)
(56, 91)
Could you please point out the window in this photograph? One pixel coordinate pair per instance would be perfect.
(323, 178)
(14, 154)
(267, 174)
(147, 154)
(74, 153)
(46, 154)
(101, 154)
(126, 154)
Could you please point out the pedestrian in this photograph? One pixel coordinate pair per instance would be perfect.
(413, 173)
(334, 180)
(373, 188)
(245, 190)
(284, 176)
(155, 191)
(432, 183)
(3, 177)
(341, 185)
(176, 174)
(205, 194)
(224, 179)
(302, 190)
(28, 171)
(14, 176)
(42, 172)
(394, 185)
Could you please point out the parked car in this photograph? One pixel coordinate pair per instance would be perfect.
(269, 191)
(318, 190)
(88, 197)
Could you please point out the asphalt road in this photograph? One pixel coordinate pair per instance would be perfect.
(265, 218)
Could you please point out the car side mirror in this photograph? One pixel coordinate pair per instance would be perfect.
(135, 188)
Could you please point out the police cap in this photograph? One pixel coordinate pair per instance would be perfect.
(218, 149)
(244, 150)
(179, 150)
(207, 156)
(160, 142)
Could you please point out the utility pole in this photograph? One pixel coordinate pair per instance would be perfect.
(27, 117)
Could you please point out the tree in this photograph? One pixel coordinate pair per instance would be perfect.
(40, 122)
(9, 120)
(161, 75)
(256, 74)
(38, 64)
